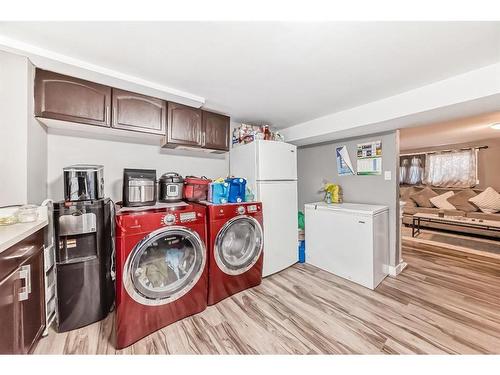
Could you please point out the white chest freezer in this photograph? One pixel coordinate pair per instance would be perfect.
(350, 240)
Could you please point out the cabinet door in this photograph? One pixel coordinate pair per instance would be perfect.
(216, 131)
(71, 99)
(184, 125)
(33, 307)
(10, 327)
(138, 112)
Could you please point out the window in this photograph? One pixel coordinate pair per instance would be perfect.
(451, 169)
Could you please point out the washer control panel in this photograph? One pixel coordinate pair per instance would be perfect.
(187, 217)
(169, 219)
(252, 208)
(241, 210)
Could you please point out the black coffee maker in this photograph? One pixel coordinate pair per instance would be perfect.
(83, 232)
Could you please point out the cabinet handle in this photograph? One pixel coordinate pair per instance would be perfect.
(361, 222)
(28, 268)
(25, 274)
(106, 120)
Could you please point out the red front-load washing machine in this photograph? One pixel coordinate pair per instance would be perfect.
(235, 247)
(161, 263)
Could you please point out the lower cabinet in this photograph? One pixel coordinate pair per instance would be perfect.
(22, 304)
(10, 329)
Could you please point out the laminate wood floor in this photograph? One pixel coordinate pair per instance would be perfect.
(441, 303)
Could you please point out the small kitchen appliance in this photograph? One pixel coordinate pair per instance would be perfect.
(83, 182)
(139, 187)
(196, 188)
(171, 186)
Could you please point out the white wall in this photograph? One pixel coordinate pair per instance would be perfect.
(13, 130)
(23, 140)
(64, 150)
(37, 148)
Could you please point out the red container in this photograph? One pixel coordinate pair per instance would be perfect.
(196, 188)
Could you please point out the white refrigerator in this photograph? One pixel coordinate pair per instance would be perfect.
(271, 171)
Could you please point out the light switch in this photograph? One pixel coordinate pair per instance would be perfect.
(387, 175)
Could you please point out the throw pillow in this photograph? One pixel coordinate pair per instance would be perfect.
(461, 200)
(441, 201)
(488, 201)
(422, 198)
(404, 195)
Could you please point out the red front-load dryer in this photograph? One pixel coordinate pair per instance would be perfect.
(235, 247)
(161, 264)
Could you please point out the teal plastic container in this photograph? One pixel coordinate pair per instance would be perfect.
(218, 192)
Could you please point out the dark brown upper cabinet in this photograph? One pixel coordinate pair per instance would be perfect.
(138, 112)
(183, 126)
(71, 99)
(216, 131)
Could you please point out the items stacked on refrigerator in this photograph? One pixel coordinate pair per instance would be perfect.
(83, 228)
(248, 133)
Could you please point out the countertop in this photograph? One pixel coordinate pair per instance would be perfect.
(12, 234)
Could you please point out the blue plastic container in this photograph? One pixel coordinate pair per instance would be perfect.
(218, 192)
(237, 188)
(302, 251)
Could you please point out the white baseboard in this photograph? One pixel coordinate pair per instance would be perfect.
(393, 271)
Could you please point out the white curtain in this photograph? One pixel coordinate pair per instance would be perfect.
(416, 171)
(451, 169)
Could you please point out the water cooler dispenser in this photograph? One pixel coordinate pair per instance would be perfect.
(84, 253)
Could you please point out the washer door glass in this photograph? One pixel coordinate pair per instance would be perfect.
(238, 245)
(165, 266)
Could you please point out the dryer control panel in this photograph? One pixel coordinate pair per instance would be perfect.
(230, 210)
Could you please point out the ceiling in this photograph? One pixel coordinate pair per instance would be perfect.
(454, 132)
(281, 73)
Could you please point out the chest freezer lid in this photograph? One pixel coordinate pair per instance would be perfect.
(356, 208)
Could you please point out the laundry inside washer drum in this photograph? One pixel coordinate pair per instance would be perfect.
(166, 264)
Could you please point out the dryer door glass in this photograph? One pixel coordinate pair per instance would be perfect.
(164, 266)
(238, 245)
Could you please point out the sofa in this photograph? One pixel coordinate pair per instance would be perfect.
(410, 208)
